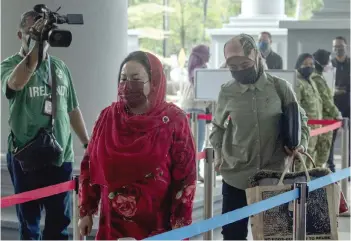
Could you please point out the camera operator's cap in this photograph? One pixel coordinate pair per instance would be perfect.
(29, 14)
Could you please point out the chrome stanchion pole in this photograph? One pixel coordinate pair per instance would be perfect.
(208, 143)
(300, 205)
(345, 145)
(75, 218)
(208, 189)
(194, 130)
(213, 110)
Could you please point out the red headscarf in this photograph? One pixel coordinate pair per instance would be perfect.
(124, 147)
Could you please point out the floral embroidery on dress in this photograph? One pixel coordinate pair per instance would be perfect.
(156, 232)
(157, 176)
(180, 222)
(125, 205)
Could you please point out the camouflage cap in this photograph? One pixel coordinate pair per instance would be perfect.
(242, 45)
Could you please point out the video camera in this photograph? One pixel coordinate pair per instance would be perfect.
(53, 35)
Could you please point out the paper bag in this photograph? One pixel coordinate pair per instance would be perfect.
(277, 223)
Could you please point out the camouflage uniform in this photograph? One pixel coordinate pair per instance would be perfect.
(310, 100)
(329, 111)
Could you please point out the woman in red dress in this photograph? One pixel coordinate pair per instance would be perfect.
(140, 162)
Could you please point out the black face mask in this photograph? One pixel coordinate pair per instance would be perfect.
(306, 72)
(245, 76)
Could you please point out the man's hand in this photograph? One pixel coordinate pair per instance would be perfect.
(35, 32)
(293, 153)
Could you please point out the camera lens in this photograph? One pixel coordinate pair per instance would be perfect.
(60, 38)
(57, 36)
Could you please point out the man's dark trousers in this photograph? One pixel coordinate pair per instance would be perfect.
(58, 208)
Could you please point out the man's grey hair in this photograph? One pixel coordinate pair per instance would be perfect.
(24, 18)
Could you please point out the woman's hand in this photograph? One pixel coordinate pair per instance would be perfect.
(218, 164)
(293, 153)
(85, 225)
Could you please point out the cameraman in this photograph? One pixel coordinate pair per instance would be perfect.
(27, 90)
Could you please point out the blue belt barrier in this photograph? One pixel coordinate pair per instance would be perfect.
(253, 209)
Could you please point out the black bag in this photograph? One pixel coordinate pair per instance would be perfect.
(290, 122)
(43, 150)
(291, 126)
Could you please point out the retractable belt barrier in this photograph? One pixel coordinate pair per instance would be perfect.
(250, 210)
(37, 194)
(52, 190)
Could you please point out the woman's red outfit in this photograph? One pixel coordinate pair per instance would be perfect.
(141, 167)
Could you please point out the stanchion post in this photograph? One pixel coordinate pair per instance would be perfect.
(208, 189)
(208, 132)
(194, 130)
(345, 154)
(300, 204)
(75, 218)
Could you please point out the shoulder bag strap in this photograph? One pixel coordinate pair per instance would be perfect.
(279, 91)
(53, 82)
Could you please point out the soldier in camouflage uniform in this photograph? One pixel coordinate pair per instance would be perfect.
(309, 99)
(329, 109)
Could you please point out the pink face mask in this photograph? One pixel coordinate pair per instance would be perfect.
(132, 93)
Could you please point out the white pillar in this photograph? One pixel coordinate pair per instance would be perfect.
(256, 16)
(97, 49)
(133, 40)
(255, 8)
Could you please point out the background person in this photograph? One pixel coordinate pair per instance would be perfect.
(141, 159)
(322, 62)
(27, 91)
(199, 57)
(273, 60)
(250, 141)
(341, 62)
(309, 99)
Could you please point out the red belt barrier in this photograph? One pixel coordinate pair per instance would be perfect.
(326, 129)
(200, 155)
(330, 125)
(202, 116)
(52, 190)
(37, 193)
(322, 122)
